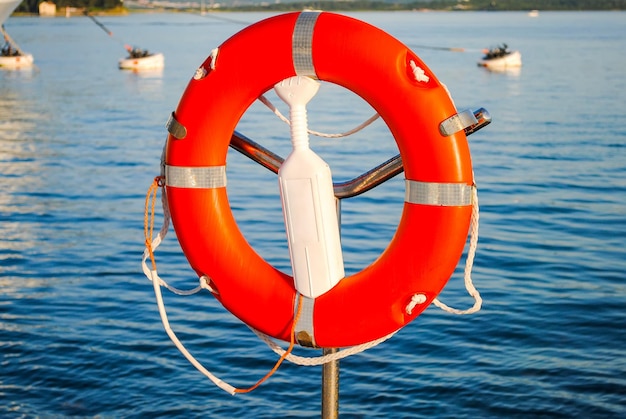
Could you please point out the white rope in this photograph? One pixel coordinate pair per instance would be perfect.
(214, 53)
(201, 72)
(157, 282)
(449, 94)
(415, 300)
(319, 360)
(295, 359)
(152, 274)
(273, 108)
(218, 382)
(419, 73)
(421, 76)
(469, 262)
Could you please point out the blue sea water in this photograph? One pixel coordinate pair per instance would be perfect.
(80, 142)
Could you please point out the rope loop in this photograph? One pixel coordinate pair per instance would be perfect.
(285, 355)
(151, 244)
(469, 263)
(283, 118)
(148, 224)
(419, 73)
(214, 54)
(416, 299)
(319, 360)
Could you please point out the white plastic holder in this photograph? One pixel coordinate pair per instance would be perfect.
(308, 200)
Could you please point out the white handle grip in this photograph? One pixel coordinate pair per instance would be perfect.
(308, 200)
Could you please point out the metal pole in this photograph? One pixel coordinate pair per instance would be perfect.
(330, 387)
(330, 370)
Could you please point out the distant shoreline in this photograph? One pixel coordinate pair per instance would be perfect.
(234, 10)
(172, 6)
(80, 11)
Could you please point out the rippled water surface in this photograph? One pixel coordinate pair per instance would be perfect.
(80, 142)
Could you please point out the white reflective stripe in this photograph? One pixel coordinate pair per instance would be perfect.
(196, 177)
(438, 194)
(457, 122)
(302, 44)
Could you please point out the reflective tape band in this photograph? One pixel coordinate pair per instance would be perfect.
(305, 335)
(438, 194)
(302, 44)
(457, 122)
(196, 177)
(175, 128)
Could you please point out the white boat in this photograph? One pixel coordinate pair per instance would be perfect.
(17, 60)
(533, 13)
(501, 58)
(11, 56)
(139, 59)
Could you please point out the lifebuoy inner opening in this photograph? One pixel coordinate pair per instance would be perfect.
(373, 215)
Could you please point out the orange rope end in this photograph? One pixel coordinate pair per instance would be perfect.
(148, 227)
(292, 343)
(148, 219)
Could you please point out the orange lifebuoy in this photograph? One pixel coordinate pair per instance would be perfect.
(435, 220)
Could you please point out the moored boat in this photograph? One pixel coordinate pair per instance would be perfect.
(11, 56)
(140, 59)
(501, 57)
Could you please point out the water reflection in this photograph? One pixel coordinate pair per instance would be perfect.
(23, 69)
(145, 82)
(20, 174)
(509, 71)
(8, 75)
(148, 73)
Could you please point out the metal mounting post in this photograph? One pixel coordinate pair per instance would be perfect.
(330, 387)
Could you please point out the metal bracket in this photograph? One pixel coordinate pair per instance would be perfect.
(359, 184)
(178, 130)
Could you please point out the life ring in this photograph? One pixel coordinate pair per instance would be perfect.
(434, 225)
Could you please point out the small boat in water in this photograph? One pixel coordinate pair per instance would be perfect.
(138, 59)
(501, 57)
(141, 59)
(11, 56)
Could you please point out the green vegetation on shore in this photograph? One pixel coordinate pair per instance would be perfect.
(495, 5)
(31, 6)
